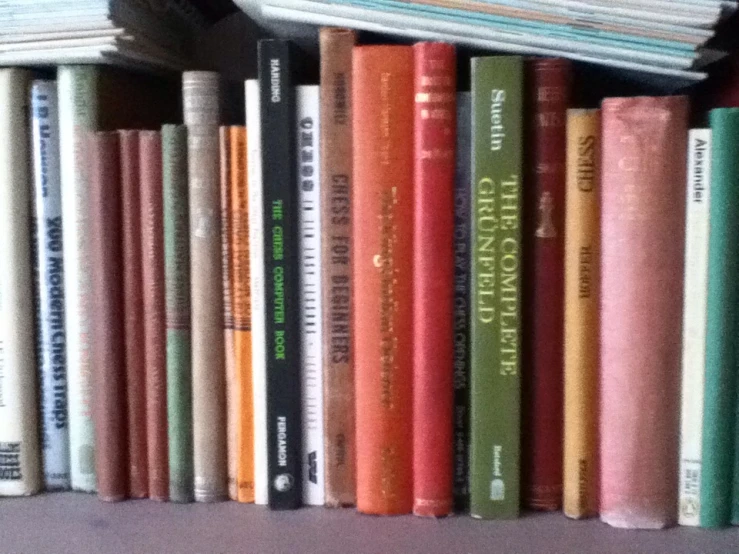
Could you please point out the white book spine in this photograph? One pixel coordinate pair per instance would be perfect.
(694, 324)
(311, 328)
(78, 110)
(256, 273)
(50, 271)
(20, 467)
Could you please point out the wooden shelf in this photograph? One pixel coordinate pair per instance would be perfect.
(80, 524)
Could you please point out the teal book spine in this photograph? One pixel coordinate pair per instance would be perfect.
(495, 324)
(721, 330)
(177, 298)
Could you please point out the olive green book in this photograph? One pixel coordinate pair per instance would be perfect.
(495, 325)
(177, 282)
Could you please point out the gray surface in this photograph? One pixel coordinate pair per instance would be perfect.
(80, 524)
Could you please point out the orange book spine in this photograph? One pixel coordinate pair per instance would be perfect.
(382, 276)
(241, 307)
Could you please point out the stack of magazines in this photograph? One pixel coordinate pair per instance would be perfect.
(154, 33)
(661, 37)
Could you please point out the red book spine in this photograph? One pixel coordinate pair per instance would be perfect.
(433, 276)
(155, 338)
(548, 90)
(108, 353)
(133, 307)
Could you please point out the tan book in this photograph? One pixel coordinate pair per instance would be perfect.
(582, 233)
(201, 111)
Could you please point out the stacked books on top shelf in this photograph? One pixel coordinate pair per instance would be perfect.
(381, 291)
(157, 33)
(665, 37)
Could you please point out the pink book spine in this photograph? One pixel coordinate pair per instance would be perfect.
(643, 227)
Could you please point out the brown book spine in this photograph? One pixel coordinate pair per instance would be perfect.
(336, 175)
(133, 306)
(108, 352)
(155, 334)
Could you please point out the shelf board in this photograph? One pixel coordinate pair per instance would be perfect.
(80, 524)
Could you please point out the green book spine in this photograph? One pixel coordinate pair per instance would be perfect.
(177, 277)
(721, 311)
(495, 326)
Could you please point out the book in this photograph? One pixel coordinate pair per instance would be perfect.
(581, 324)
(20, 461)
(382, 206)
(697, 224)
(155, 332)
(495, 320)
(336, 194)
(133, 313)
(51, 338)
(462, 249)
(232, 402)
(547, 98)
(308, 183)
(435, 133)
(241, 291)
(177, 304)
(720, 400)
(281, 271)
(201, 99)
(642, 241)
(107, 326)
(77, 88)
(256, 283)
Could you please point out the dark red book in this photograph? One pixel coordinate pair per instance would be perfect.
(435, 133)
(133, 305)
(155, 337)
(106, 322)
(548, 96)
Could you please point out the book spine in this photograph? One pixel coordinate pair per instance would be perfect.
(256, 282)
(232, 402)
(133, 309)
(202, 109)
(281, 288)
(241, 291)
(495, 321)
(78, 114)
(462, 198)
(720, 400)
(581, 327)
(382, 206)
(155, 331)
(435, 114)
(307, 147)
(107, 326)
(548, 94)
(50, 269)
(697, 221)
(20, 463)
(177, 307)
(642, 240)
(336, 228)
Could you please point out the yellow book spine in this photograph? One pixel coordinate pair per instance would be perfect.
(240, 287)
(582, 263)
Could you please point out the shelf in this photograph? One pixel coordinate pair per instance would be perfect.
(80, 524)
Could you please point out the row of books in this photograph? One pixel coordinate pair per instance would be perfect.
(380, 291)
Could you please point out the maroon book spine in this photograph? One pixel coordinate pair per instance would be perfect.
(433, 278)
(548, 92)
(133, 306)
(155, 338)
(108, 352)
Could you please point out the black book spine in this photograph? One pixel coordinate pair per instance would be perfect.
(281, 274)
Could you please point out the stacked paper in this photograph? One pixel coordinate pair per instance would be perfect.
(153, 33)
(665, 37)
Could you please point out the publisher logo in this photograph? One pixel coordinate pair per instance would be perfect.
(313, 467)
(497, 490)
(284, 482)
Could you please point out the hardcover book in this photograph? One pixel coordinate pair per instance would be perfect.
(495, 320)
